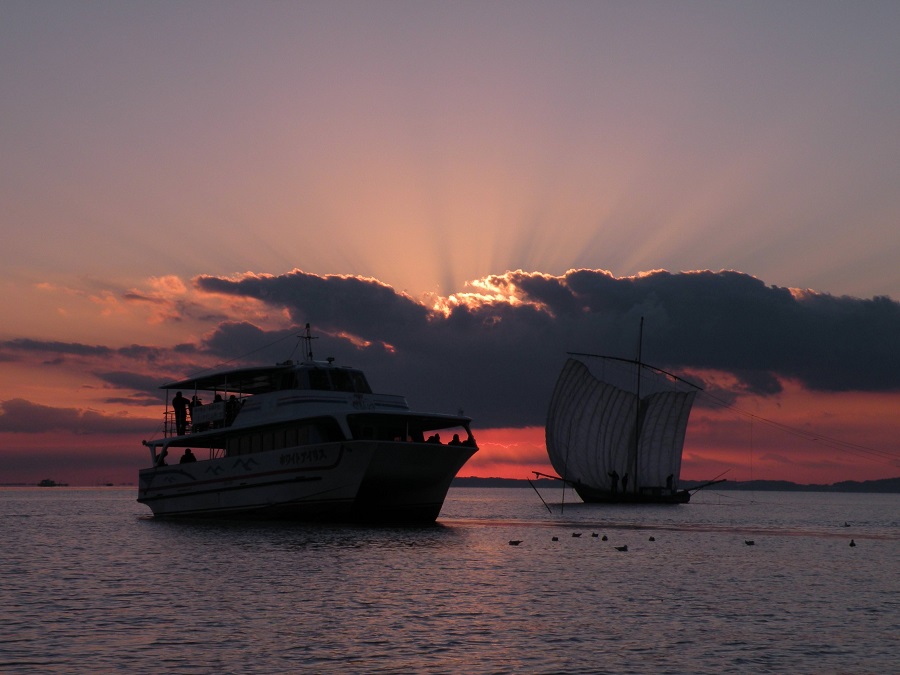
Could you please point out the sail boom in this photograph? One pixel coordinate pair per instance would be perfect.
(637, 362)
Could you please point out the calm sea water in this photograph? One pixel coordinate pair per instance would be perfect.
(88, 581)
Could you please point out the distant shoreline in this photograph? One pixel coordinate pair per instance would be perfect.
(882, 486)
(70, 485)
(885, 485)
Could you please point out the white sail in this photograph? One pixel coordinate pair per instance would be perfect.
(663, 425)
(591, 426)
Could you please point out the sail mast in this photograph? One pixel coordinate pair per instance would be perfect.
(637, 411)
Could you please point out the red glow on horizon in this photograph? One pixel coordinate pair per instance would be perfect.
(508, 453)
(776, 442)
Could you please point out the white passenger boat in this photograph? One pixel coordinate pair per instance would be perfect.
(306, 441)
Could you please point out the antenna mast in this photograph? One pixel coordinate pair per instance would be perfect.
(308, 338)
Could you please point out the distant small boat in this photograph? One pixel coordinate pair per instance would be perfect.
(48, 482)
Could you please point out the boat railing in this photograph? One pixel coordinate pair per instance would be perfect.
(170, 427)
(214, 415)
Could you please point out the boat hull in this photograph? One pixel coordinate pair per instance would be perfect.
(408, 482)
(591, 495)
(360, 481)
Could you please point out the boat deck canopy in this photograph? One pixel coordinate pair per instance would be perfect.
(254, 380)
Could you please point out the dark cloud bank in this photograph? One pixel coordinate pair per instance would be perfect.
(498, 360)
(20, 416)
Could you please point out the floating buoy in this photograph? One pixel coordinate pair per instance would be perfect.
(604, 538)
(749, 542)
(515, 542)
(852, 543)
(576, 534)
(594, 534)
(624, 547)
(555, 539)
(652, 538)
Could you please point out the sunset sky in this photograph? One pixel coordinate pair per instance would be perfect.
(454, 195)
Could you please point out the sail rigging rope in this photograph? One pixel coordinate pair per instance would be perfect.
(872, 454)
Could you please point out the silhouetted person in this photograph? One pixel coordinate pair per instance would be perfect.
(218, 422)
(625, 483)
(161, 460)
(231, 409)
(455, 440)
(669, 479)
(197, 402)
(187, 457)
(180, 405)
(615, 481)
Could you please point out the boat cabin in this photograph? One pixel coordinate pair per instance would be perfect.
(230, 389)
(289, 405)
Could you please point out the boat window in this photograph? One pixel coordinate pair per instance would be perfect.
(360, 384)
(413, 429)
(381, 432)
(318, 430)
(318, 379)
(287, 381)
(341, 380)
(368, 427)
(274, 440)
(323, 430)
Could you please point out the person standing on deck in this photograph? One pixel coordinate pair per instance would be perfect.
(180, 405)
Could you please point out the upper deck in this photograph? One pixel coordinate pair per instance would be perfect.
(290, 404)
(312, 375)
(270, 395)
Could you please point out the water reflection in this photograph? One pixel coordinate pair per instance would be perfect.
(96, 585)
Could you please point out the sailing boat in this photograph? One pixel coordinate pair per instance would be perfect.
(612, 443)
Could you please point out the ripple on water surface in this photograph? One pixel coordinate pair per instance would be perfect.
(87, 581)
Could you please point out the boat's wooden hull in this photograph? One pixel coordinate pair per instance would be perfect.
(594, 496)
(365, 481)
